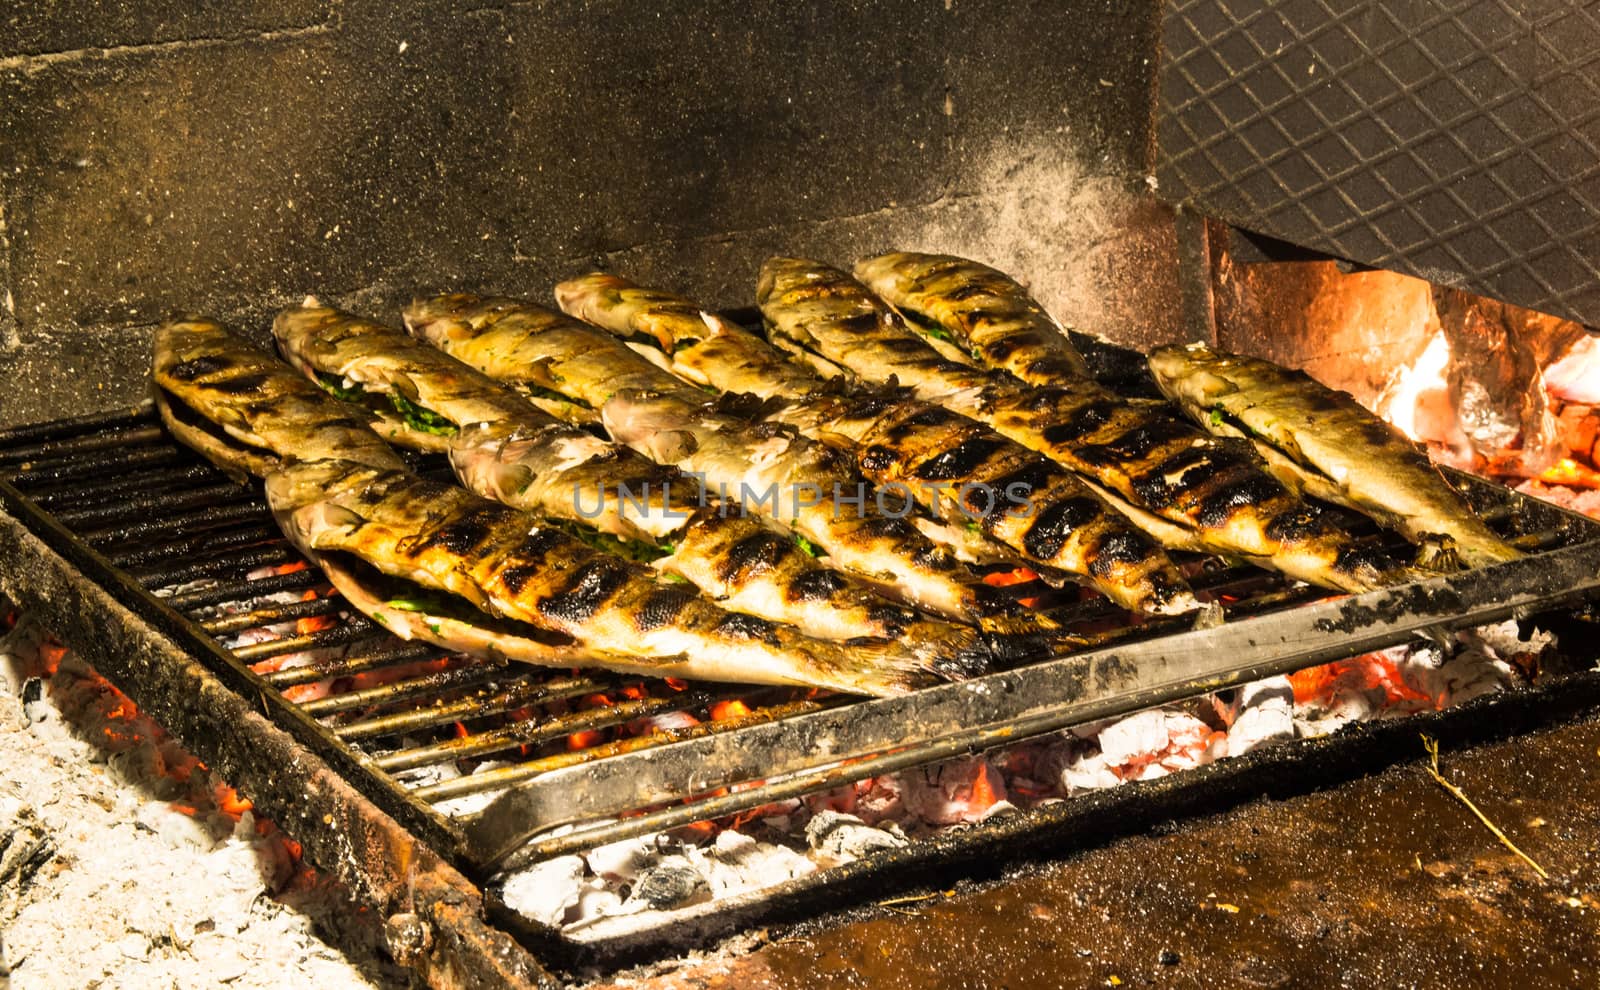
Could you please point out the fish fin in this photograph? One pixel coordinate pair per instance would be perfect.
(671, 446)
(1438, 552)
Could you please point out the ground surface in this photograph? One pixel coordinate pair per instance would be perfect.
(1387, 881)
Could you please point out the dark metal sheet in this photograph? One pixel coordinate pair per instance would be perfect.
(1459, 142)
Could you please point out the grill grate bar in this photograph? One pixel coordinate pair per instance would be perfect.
(500, 779)
(240, 621)
(531, 732)
(340, 635)
(392, 653)
(96, 442)
(469, 675)
(495, 701)
(234, 591)
(69, 469)
(125, 510)
(147, 483)
(194, 546)
(249, 556)
(209, 518)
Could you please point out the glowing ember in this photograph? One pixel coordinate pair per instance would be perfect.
(1575, 376)
(312, 623)
(1416, 389)
(1569, 472)
(583, 740)
(733, 708)
(1005, 579)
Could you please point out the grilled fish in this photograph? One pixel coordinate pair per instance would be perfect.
(948, 463)
(1325, 443)
(253, 415)
(1185, 487)
(764, 468)
(246, 412)
(510, 565)
(528, 459)
(418, 397)
(739, 560)
(978, 309)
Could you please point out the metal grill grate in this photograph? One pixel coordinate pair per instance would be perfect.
(480, 757)
(1459, 142)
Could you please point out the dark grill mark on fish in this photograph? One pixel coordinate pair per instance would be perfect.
(877, 459)
(933, 558)
(903, 345)
(1187, 465)
(1136, 444)
(1016, 489)
(1116, 549)
(860, 322)
(458, 537)
(998, 350)
(1050, 531)
(590, 587)
(892, 620)
(747, 627)
(815, 586)
(1081, 422)
(538, 544)
(660, 608)
(517, 576)
(208, 364)
(240, 385)
(1359, 558)
(1255, 489)
(752, 555)
(1298, 524)
(931, 416)
(960, 461)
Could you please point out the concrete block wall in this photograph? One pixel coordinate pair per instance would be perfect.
(229, 157)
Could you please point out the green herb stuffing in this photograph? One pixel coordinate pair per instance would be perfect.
(674, 578)
(928, 326)
(335, 386)
(807, 545)
(637, 550)
(1217, 416)
(551, 395)
(420, 419)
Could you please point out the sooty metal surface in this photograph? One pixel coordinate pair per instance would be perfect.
(484, 760)
(1459, 142)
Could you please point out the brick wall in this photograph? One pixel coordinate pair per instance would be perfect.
(229, 157)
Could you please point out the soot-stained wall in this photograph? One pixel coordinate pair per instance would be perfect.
(231, 157)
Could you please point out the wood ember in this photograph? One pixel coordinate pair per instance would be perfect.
(125, 863)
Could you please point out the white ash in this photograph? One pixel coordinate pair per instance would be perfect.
(672, 877)
(133, 892)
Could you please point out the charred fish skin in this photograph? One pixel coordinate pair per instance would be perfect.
(1324, 441)
(703, 347)
(741, 563)
(773, 471)
(420, 398)
(982, 308)
(538, 349)
(1186, 487)
(952, 465)
(508, 564)
(244, 410)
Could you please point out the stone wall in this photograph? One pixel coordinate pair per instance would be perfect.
(229, 157)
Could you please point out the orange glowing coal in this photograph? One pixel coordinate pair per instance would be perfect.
(1569, 472)
(312, 623)
(1366, 672)
(732, 708)
(583, 739)
(1005, 579)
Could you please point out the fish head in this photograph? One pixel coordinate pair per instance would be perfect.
(654, 424)
(444, 318)
(1191, 373)
(299, 483)
(301, 330)
(588, 295)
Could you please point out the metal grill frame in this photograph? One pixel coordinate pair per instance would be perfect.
(933, 724)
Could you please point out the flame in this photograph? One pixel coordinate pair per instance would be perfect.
(1569, 472)
(733, 708)
(1018, 575)
(231, 804)
(1403, 395)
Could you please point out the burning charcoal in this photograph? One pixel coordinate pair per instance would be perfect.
(1266, 714)
(1153, 743)
(672, 883)
(1575, 375)
(879, 799)
(1494, 374)
(841, 838)
(961, 790)
(545, 891)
